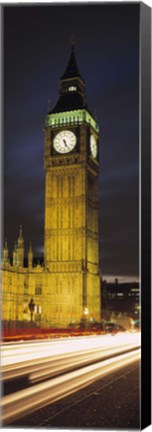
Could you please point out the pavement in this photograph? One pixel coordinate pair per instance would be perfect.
(112, 402)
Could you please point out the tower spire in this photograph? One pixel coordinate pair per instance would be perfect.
(15, 255)
(72, 70)
(5, 253)
(30, 256)
(20, 248)
(72, 86)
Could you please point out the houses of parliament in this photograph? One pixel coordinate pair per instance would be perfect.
(66, 288)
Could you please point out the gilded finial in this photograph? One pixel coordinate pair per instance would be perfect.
(20, 241)
(30, 247)
(72, 41)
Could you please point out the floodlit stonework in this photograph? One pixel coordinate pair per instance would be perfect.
(66, 287)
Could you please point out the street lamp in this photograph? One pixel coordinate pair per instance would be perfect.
(31, 307)
(86, 312)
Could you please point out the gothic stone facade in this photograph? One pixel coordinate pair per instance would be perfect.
(66, 288)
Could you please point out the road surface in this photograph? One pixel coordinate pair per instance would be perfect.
(111, 402)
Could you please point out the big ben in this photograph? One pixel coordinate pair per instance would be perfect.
(71, 232)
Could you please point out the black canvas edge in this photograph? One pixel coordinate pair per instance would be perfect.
(145, 179)
(145, 140)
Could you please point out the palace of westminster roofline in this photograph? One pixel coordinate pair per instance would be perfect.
(18, 259)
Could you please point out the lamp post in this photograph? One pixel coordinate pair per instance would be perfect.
(31, 307)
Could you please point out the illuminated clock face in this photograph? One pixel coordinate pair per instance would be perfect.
(64, 141)
(93, 146)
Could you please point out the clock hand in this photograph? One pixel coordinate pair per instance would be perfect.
(65, 143)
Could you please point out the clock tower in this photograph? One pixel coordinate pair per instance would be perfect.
(71, 158)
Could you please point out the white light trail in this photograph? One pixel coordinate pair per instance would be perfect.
(20, 403)
(21, 352)
(64, 364)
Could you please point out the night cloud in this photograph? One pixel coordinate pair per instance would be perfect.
(36, 52)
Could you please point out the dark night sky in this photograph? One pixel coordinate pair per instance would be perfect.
(36, 52)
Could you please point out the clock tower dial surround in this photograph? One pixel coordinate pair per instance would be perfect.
(71, 158)
(64, 141)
